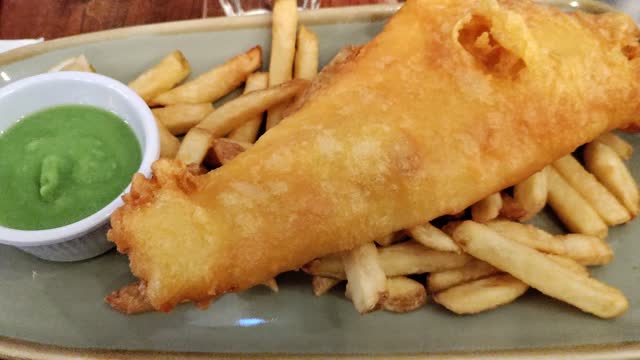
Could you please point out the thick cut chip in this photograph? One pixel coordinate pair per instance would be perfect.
(539, 271)
(481, 295)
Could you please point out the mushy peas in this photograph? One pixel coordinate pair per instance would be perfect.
(62, 164)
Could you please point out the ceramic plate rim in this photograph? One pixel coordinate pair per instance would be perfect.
(20, 349)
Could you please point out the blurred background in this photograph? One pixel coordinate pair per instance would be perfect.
(51, 19)
(631, 7)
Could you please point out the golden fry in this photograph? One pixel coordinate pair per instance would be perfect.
(587, 250)
(570, 263)
(180, 118)
(603, 162)
(481, 295)
(366, 281)
(169, 144)
(406, 258)
(473, 270)
(322, 284)
(434, 238)
(414, 258)
(194, 146)
(163, 76)
(487, 208)
(572, 209)
(215, 83)
(404, 295)
(231, 115)
(306, 61)
(248, 132)
(528, 235)
(77, 63)
(283, 48)
(617, 144)
(531, 194)
(539, 271)
(602, 201)
(328, 266)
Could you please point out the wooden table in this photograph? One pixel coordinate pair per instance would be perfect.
(57, 18)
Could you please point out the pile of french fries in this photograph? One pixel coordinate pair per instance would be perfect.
(480, 259)
(191, 129)
(487, 257)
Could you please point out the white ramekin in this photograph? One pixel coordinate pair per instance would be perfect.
(85, 238)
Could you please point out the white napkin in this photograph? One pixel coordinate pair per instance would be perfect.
(6, 45)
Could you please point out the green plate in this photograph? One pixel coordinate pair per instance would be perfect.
(60, 304)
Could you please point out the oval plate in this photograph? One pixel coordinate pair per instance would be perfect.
(56, 310)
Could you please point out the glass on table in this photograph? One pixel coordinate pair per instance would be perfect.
(254, 7)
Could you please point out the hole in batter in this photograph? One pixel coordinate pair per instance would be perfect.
(477, 39)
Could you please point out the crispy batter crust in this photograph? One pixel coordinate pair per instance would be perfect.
(130, 299)
(453, 101)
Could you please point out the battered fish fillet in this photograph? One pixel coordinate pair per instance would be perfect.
(453, 101)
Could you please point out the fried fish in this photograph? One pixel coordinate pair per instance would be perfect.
(453, 101)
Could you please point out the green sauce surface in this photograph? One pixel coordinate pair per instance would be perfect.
(62, 164)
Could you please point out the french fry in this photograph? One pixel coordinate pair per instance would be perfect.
(180, 118)
(405, 258)
(272, 284)
(570, 264)
(603, 162)
(194, 146)
(602, 201)
(322, 284)
(215, 83)
(283, 47)
(404, 295)
(528, 235)
(414, 258)
(329, 266)
(587, 250)
(487, 208)
(617, 144)
(248, 132)
(276, 114)
(77, 63)
(224, 150)
(481, 295)
(169, 144)
(531, 194)
(163, 76)
(539, 271)
(306, 60)
(473, 270)
(392, 238)
(511, 209)
(434, 238)
(231, 115)
(130, 299)
(572, 209)
(366, 281)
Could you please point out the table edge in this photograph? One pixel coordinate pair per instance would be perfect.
(22, 349)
